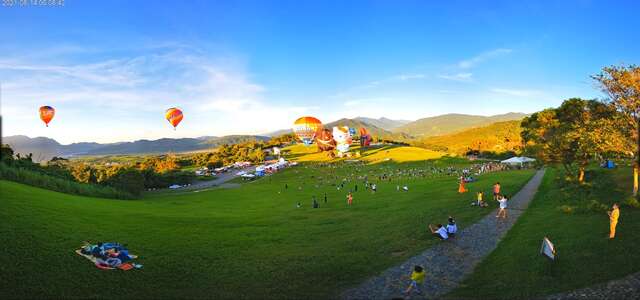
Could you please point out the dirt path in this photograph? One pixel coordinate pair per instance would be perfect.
(449, 262)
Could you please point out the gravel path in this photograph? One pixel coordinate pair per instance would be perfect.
(449, 262)
(624, 288)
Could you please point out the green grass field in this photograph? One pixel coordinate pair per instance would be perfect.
(248, 242)
(586, 256)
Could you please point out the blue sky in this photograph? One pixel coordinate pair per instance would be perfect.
(111, 68)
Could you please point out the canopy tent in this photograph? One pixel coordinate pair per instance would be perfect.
(518, 160)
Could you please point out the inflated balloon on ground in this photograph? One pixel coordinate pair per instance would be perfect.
(325, 140)
(306, 129)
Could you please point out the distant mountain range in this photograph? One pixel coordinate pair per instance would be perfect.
(44, 148)
(400, 130)
(450, 123)
(384, 123)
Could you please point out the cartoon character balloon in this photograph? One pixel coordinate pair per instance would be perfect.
(306, 129)
(342, 136)
(325, 140)
(46, 114)
(174, 116)
(365, 137)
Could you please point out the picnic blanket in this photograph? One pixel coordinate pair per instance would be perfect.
(103, 256)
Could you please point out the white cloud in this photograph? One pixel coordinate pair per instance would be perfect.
(517, 92)
(405, 77)
(125, 98)
(457, 77)
(482, 57)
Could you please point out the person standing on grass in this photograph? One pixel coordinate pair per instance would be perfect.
(502, 211)
(349, 199)
(325, 198)
(417, 279)
(614, 214)
(496, 190)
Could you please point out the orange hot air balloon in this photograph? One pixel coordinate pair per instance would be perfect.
(46, 114)
(306, 129)
(174, 116)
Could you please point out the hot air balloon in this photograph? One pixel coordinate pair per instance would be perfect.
(325, 140)
(365, 137)
(342, 136)
(174, 116)
(46, 114)
(306, 129)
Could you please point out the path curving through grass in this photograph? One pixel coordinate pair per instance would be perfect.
(449, 262)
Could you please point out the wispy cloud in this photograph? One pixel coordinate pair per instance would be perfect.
(482, 57)
(457, 77)
(517, 92)
(124, 98)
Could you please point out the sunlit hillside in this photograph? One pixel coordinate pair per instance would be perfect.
(498, 137)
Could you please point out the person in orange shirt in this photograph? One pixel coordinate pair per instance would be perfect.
(614, 214)
(496, 190)
(349, 199)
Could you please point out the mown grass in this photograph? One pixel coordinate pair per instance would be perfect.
(586, 256)
(249, 242)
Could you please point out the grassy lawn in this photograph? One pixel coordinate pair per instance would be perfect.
(586, 256)
(248, 242)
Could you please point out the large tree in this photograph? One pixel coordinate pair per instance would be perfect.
(622, 85)
(573, 134)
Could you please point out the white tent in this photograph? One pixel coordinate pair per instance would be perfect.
(516, 160)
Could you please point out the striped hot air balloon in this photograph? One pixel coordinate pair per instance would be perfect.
(306, 129)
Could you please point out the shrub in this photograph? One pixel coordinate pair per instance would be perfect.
(596, 206)
(567, 209)
(39, 179)
(632, 202)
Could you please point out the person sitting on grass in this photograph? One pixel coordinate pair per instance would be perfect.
(452, 228)
(298, 205)
(502, 211)
(417, 279)
(439, 231)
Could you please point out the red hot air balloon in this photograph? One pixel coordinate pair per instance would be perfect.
(365, 137)
(174, 116)
(46, 114)
(306, 129)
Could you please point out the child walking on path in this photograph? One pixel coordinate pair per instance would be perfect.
(417, 279)
(502, 200)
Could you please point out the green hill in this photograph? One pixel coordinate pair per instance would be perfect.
(249, 242)
(450, 123)
(498, 137)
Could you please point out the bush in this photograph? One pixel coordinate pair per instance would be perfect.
(596, 206)
(567, 209)
(632, 202)
(38, 179)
